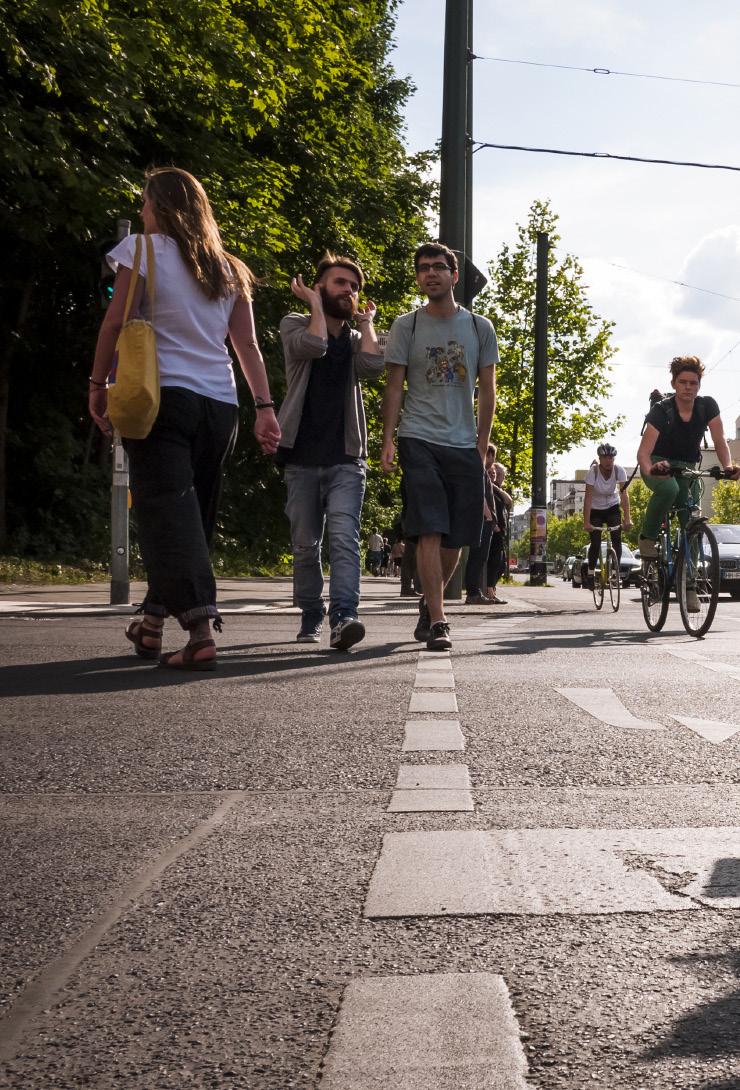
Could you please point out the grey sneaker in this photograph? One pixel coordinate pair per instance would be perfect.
(424, 624)
(346, 632)
(477, 600)
(439, 637)
(692, 601)
(311, 626)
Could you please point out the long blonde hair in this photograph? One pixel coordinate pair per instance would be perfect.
(183, 212)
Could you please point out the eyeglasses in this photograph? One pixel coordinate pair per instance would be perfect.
(434, 266)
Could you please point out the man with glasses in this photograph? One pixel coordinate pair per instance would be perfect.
(324, 443)
(439, 351)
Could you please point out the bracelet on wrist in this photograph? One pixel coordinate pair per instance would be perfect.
(264, 404)
(100, 385)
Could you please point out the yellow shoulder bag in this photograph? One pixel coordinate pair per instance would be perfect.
(133, 399)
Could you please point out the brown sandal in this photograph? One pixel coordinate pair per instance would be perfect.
(189, 661)
(136, 632)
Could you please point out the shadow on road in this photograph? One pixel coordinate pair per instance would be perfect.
(710, 1030)
(532, 644)
(125, 673)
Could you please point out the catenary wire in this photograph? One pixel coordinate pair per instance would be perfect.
(605, 71)
(479, 144)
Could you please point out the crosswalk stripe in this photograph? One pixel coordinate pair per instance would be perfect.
(432, 702)
(432, 734)
(711, 729)
(430, 1031)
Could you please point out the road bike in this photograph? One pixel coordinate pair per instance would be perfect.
(688, 559)
(606, 572)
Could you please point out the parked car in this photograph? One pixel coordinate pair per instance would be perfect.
(728, 542)
(629, 566)
(567, 572)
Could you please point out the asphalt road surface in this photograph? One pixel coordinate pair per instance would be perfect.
(514, 866)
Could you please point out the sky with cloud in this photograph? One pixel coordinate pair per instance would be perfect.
(637, 228)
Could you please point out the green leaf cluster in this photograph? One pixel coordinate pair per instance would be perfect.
(579, 350)
(289, 113)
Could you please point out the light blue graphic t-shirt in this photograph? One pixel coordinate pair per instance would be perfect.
(442, 357)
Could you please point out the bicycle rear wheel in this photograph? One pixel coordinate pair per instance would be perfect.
(697, 578)
(612, 578)
(597, 587)
(654, 590)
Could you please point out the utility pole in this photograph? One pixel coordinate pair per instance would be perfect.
(119, 578)
(538, 515)
(469, 288)
(452, 195)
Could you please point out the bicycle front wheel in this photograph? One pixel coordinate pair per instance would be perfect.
(597, 587)
(655, 590)
(697, 578)
(612, 578)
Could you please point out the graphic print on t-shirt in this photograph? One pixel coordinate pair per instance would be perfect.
(447, 365)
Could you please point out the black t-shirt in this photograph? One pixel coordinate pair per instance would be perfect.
(320, 438)
(680, 440)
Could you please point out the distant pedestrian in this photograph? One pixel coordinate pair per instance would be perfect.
(385, 558)
(398, 548)
(324, 444)
(374, 553)
(202, 295)
(497, 557)
(478, 555)
(440, 351)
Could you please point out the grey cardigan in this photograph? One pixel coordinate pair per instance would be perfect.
(300, 349)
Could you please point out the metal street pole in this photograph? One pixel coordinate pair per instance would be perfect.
(468, 281)
(119, 577)
(452, 196)
(538, 516)
(454, 179)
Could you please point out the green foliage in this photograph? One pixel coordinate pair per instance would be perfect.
(579, 348)
(565, 536)
(726, 502)
(291, 116)
(639, 495)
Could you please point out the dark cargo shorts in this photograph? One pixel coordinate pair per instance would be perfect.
(443, 488)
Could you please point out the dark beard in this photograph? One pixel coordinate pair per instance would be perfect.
(341, 308)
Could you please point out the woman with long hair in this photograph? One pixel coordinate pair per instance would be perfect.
(202, 295)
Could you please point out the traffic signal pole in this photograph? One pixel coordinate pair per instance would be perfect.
(119, 553)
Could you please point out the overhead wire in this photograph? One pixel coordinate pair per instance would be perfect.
(479, 144)
(606, 71)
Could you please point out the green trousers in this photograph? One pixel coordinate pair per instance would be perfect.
(667, 492)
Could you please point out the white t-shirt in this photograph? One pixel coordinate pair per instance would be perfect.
(606, 489)
(190, 328)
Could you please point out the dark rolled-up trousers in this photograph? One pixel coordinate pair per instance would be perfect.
(175, 475)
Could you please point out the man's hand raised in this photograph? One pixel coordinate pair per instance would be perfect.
(312, 296)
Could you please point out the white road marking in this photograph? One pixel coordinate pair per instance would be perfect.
(432, 702)
(711, 729)
(605, 705)
(430, 1031)
(553, 871)
(431, 787)
(434, 776)
(422, 735)
(438, 664)
(433, 679)
(436, 801)
(702, 660)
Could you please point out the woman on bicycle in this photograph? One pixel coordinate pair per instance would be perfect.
(605, 503)
(672, 439)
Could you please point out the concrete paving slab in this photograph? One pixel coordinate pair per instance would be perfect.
(422, 735)
(434, 1031)
(605, 705)
(541, 871)
(438, 663)
(711, 729)
(434, 680)
(438, 656)
(431, 777)
(437, 800)
(432, 702)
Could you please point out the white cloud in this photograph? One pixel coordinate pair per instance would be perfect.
(714, 264)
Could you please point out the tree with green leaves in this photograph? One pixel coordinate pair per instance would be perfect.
(290, 115)
(726, 502)
(579, 350)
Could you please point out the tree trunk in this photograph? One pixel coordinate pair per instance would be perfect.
(6, 359)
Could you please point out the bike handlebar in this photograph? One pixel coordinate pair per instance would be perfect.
(693, 474)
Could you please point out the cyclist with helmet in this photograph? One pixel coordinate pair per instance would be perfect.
(605, 503)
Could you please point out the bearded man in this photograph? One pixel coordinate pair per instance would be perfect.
(324, 443)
